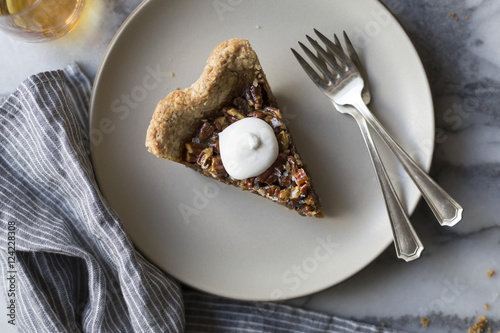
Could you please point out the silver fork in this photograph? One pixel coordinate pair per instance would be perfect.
(349, 78)
(408, 245)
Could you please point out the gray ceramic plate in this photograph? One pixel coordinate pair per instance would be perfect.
(225, 241)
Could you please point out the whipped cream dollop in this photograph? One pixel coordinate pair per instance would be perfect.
(248, 147)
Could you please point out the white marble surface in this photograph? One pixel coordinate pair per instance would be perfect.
(462, 59)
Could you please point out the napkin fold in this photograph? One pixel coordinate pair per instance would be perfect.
(67, 264)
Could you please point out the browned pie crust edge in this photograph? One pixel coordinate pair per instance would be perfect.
(231, 68)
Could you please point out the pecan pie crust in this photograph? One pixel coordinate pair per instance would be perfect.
(185, 127)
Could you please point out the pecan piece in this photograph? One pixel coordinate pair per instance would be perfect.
(217, 165)
(204, 158)
(273, 111)
(194, 148)
(232, 114)
(248, 95)
(215, 145)
(277, 166)
(217, 169)
(284, 181)
(250, 182)
(300, 177)
(305, 187)
(242, 104)
(309, 200)
(275, 122)
(271, 179)
(261, 191)
(307, 209)
(272, 191)
(291, 165)
(257, 114)
(299, 161)
(221, 123)
(295, 194)
(283, 140)
(284, 195)
(205, 131)
(256, 93)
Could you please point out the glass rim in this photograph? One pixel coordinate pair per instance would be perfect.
(21, 12)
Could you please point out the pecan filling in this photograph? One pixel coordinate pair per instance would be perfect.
(285, 181)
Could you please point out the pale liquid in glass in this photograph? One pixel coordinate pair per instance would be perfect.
(39, 20)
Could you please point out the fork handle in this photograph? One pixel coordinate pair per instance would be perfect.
(447, 211)
(408, 245)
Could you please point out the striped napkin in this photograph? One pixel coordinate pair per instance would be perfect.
(67, 264)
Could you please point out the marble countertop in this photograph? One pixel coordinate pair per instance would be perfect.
(459, 45)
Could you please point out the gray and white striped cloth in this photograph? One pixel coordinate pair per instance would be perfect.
(67, 264)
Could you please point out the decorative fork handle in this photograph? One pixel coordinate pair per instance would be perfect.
(447, 211)
(408, 245)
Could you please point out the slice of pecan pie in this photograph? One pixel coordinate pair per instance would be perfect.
(186, 125)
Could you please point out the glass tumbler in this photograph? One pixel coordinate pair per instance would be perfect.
(39, 20)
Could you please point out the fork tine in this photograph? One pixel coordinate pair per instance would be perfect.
(318, 80)
(318, 61)
(332, 47)
(336, 50)
(339, 53)
(352, 53)
(329, 45)
(357, 62)
(323, 63)
(330, 60)
(337, 41)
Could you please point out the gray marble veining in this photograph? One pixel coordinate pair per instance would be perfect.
(459, 45)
